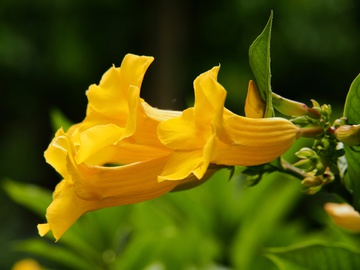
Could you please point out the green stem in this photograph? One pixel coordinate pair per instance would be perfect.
(288, 168)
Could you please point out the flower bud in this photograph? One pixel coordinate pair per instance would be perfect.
(311, 181)
(254, 104)
(306, 164)
(306, 152)
(349, 135)
(312, 185)
(292, 108)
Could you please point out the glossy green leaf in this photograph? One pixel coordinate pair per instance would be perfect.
(259, 58)
(315, 255)
(352, 154)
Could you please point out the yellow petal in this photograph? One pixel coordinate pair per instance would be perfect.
(259, 132)
(208, 149)
(181, 164)
(27, 264)
(209, 98)
(183, 132)
(57, 151)
(96, 138)
(344, 215)
(97, 187)
(125, 153)
(192, 181)
(158, 114)
(194, 127)
(254, 104)
(251, 141)
(43, 229)
(111, 96)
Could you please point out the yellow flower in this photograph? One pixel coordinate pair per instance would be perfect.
(124, 149)
(344, 215)
(114, 156)
(89, 187)
(209, 133)
(27, 264)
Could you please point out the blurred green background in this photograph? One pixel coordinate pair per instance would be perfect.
(51, 51)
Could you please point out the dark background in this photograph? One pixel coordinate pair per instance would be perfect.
(51, 51)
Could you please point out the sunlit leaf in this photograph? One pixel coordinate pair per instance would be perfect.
(315, 255)
(352, 154)
(259, 58)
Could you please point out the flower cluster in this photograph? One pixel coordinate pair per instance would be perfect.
(126, 151)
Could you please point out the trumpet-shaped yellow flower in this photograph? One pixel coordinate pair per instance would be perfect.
(209, 133)
(89, 187)
(124, 148)
(120, 129)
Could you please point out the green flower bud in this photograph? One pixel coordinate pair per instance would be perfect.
(292, 108)
(306, 152)
(306, 164)
(349, 135)
(312, 185)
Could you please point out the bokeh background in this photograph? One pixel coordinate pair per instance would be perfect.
(51, 51)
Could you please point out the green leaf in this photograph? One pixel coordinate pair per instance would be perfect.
(59, 120)
(263, 208)
(32, 197)
(352, 154)
(37, 199)
(315, 255)
(259, 58)
(56, 253)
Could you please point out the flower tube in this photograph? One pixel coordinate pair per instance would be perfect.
(209, 133)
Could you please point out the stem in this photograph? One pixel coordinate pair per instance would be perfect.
(286, 167)
(312, 132)
(313, 113)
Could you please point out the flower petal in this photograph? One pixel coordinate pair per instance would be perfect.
(259, 131)
(253, 141)
(158, 114)
(96, 138)
(111, 96)
(344, 215)
(97, 187)
(182, 132)
(181, 164)
(57, 151)
(254, 104)
(209, 98)
(125, 153)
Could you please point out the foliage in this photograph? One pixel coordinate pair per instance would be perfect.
(216, 226)
(352, 153)
(223, 225)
